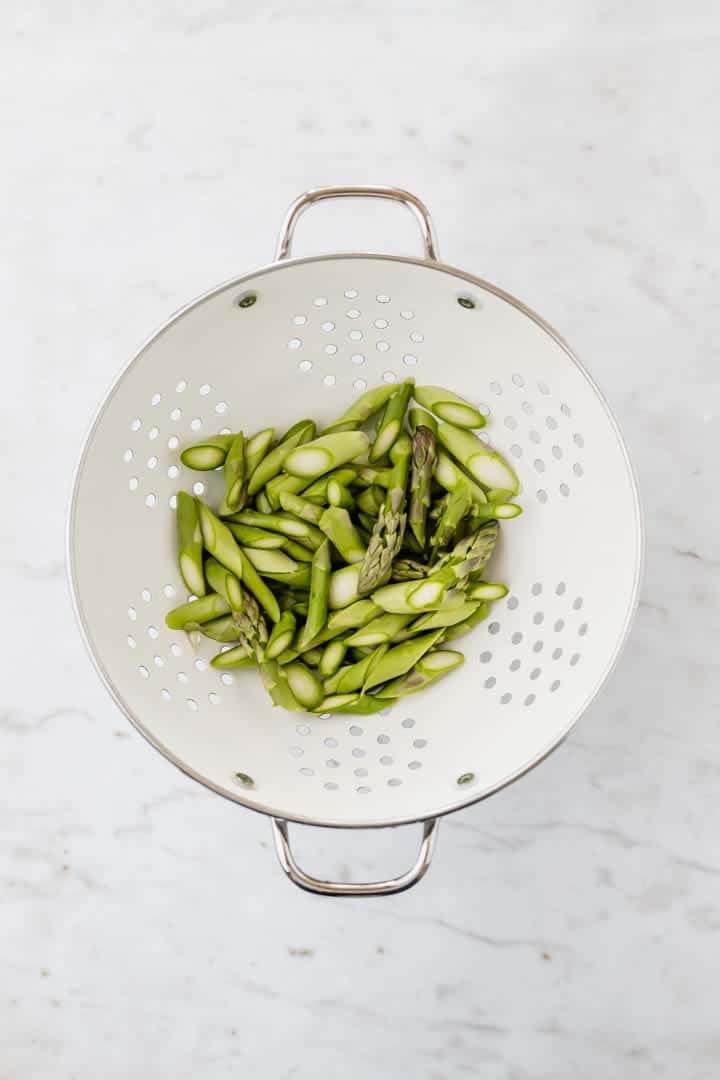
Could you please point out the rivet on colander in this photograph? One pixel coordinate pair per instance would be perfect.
(247, 300)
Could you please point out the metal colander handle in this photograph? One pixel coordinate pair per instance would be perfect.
(367, 888)
(301, 204)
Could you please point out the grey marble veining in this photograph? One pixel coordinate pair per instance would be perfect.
(570, 926)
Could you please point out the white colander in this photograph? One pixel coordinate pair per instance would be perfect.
(300, 338)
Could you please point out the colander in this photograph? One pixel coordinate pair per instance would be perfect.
(300, 337)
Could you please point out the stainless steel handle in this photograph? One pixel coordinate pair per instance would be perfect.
(368, 888)
(301, 204)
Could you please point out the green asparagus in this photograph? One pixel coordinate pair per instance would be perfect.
(337, 525)
(389, 529)
(209, 454)
(392, 421)
(190, 544)
(235, 475)
(423, 462)
(319, 594)
(196, 612)
(328, 452)
(481, 462)
(449, 406)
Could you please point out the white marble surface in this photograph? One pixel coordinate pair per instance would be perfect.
(570, 926)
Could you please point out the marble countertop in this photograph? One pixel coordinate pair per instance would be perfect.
(570, 926)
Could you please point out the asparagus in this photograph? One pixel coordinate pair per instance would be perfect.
(304, 684)
(275, 681)
(328, 452)
(313, 656)
(252, 629)
(481, 462)
(491, 510)
(456, 507)
(319, 592)
(352, 677)
(363, 408)
(430, 668)
(272, 463)
(270, 562)
(399, 660)
(418, 417)
(262, 503)
(235, 475)
(450, 476)
(409, 570)
(344, 586)
(355, 704)
(366, 475)
(317, 491)
(445, 616)
(281, 637)
(295, 504)
(209, 454)
(297, 551)
(224, 582)
(479, 546)
(240, 656)
(220, 542)
(190, 544)
(378, 631)
(298, 579)
(222, 629)
(464, 627)
(392, 421)
(370, 500)
(257, 447)
(196, 612)
(423, 463)
(367, 522)
(282, 523)
(487, 590)
(349, 618)
(251, 536)
(449, 406)
(332, 657)
(389, 529)
(338, 495)
(337, 525)
(411, 597)
(283, 482)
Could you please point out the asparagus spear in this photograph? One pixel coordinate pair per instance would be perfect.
(252, 629)
(344, 586)
(251, 536)
(271, 562)
(298, 579)
(332, 657)
(319, 592)
(297, 551)
(283, 482)
(423, 463)
(411, 597)
(262, 503)
(240, 656)
(456, 507)
(224, 582)
(304, 684)
(449, 406)
(450, 476)
(220, 542)
(328, 452)
(370, 500)
(409, 570)
(281, 637)
(272, 463)
(338, 495)
(351, 678)
(317, 491)
(464, 627)
(363, 408)
(197, 611)
(209, 454)
(235, 475)
(499, 511)
(481, 462)
(190, 544)
(222, 629)
(444, 617)
(381, 630)
(367, 475)
(256, 448)
(275, 681)
(418, 417)
(282, 523)
(349, 618)
(337, 525)
(487, 590)
(430, 668)
(313, 656)
(392, 421)
(398, 661)
(295, 504)
(354, 704)
(389, 529)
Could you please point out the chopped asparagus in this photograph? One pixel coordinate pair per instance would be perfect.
(281, 637)
(317, 491)
(389, 529)
(418, 417)
(487, 590)
(450, 476)
(240, 656)
(222, 629)
(464, 627)
(270, 562)
(209, 454)
(423, 462)
(297, 551)
(370, 500)
(337, 525)
(319, 594)
(256, 448)
(235, 475)
(353, 704)
(197, 611)
(338, 495)
(381, 630)
(328, 452)
(282, 523)
(262, 503)
(449, 406)
(272, 463)
(430, 668)
(190, 544)
(251, 536)
(411, 597)
(344, 586)
(295, 504)
(392, 421)
(398, 661)
(363, 408)
(304, 684)
(221, 543)
(332, 657)
(484, 464)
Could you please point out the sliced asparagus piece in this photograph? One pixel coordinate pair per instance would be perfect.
(235, 475)
(337, 525)
(240, 656)
(499, 511)
(304, 684)
(418, 417)
(382, 629)
(298, 579)
(399, 660)
(370, 500)
(338, 495)
(487, 590)
(281, 637)
(450, 476)
(411, 597)
(196, 612)
(424, 456)
(430, 668)
(445, 616)
(251, 536)
(328, 452)
(295, 504)
(190, 544)
(222, 629)
(276, 684)
(283, 482)
(319, 593)
(317, 491)
(484, 464)
(464, 627)
(389, 529)
(367, 522)
(344, 586)
(209, 454)
(409, 570)
(221, 543)
(272, 463)
(367, 475)
(449, 406)
(256, 448)
(297, 551)
(363, 408)
(349, 618)
(354, 704)
(332, 657)
(456, 507)
(224, 582)
(271, 562)
(262, 503)
(392, 421)
(349, 679)
(282, 523)
(312, 656)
